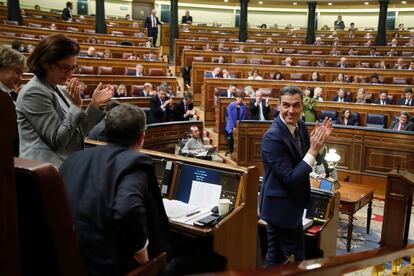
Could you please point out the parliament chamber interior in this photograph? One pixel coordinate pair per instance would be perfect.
(210, 77)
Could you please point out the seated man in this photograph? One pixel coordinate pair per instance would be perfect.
(196, 147)
(151, 57)
(403, 123)
(115, 199)
(184, 110)
(161, 107)
(90, 53)
(400, 64)
(341, 97)
(139, 70)
(229, 93)
(214, 74)
(342, 63)
(383, 98)
(147, 91)
(408, 97)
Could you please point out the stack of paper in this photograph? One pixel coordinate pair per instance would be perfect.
(176, 208)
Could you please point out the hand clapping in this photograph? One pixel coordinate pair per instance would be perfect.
(102, 94)
(319, 135)
(73, 89)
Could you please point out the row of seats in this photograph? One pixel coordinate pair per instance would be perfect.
(132, 90)
(41, 37)
(303, 62)
(373, 120)
(304, 52)
(107, 70)
(73, 29)
(285, 42)
(322, 78)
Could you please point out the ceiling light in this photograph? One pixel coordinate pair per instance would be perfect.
(260, 2)
(294, 3)
(329, 4)
(403, 2)
(366, 3)
(226, 1)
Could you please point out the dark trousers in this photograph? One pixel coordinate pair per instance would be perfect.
(153, 32)
(282, 243)
(230, 141)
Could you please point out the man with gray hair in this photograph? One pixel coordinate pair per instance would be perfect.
(403, 123)
(115, 199)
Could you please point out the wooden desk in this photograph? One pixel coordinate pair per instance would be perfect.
(353, 198)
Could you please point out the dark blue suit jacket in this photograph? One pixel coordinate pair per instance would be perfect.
(285, 191)
(346, 99)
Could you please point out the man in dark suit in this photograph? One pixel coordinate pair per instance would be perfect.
(339, 24)
(161, 107)
(67, 12)
(403, 123)
(259, 107)
(229, 93)
(146, 92)
(214, 74)
(151, 23)
(341, 97)
(289, 155)
(383, 98)
(184, 110)
(408, 97)
(342, 63)
(187, 18)
(111, 190)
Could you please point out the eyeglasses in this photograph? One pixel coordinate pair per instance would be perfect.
(66, 68)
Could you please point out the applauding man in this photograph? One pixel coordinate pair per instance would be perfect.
(289, 154)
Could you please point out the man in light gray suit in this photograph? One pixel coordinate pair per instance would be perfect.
(403, 123)
(51, 122)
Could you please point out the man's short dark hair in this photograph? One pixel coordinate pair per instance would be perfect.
(125, 124)
(290, 90)
(408, 90)
(383, 91)
(49, 51)
(406, 114)
(188, 95)
(69, 4)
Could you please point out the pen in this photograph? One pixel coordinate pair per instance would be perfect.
(193, 213)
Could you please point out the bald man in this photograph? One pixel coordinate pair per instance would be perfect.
(151, 23)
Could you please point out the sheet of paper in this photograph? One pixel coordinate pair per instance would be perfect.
(204, 195)
(176, 208)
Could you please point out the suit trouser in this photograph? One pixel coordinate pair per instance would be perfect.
(230, 140)
(282, 243)
(153, 32)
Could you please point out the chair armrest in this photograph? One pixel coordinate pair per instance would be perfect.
(153, 267)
